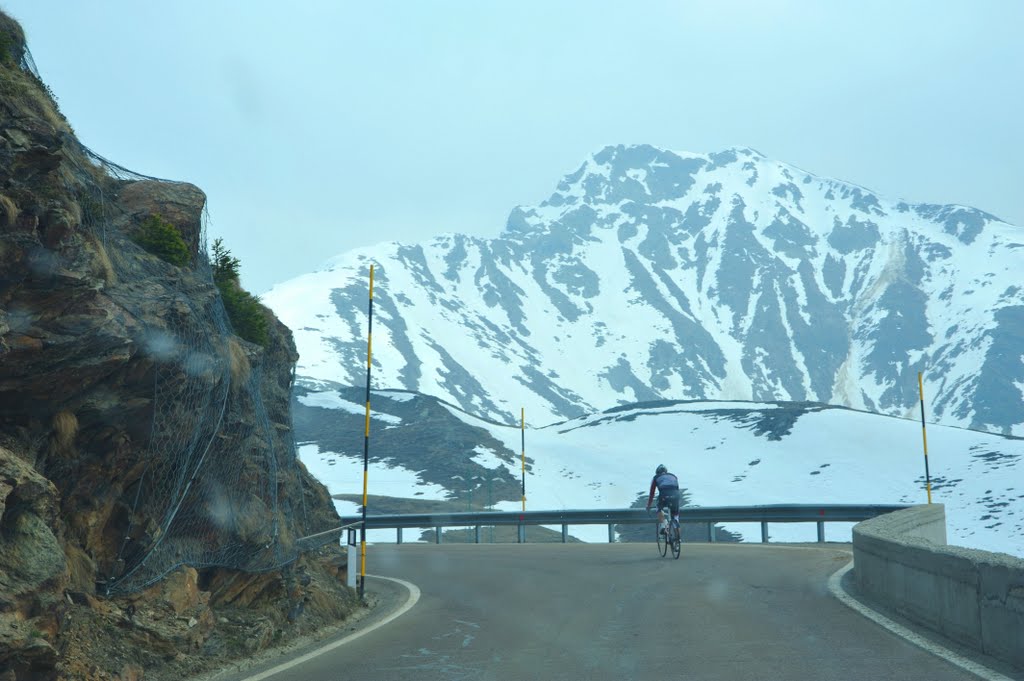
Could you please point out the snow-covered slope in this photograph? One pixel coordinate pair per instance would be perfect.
(725, 453)
(651, 274)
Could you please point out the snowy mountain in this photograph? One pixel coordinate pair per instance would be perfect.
(725, 453)
(650, 274)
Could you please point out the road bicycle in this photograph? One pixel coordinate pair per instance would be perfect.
(667, 535)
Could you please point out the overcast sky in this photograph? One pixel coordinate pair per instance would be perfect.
(317, 127)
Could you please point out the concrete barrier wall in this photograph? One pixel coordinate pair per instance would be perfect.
(973, 597)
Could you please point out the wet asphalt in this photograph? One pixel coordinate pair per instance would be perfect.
(598, 612)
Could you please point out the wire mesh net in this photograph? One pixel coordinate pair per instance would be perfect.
(214, 481)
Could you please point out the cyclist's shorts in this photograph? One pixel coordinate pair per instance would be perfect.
(670, 501)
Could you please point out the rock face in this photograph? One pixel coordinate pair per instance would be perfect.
(138, 434)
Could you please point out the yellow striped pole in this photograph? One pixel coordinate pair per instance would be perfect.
(522, 430)
(366, 440)
(924, 436)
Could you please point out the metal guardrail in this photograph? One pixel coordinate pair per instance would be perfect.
(306, 543)
(777, 513)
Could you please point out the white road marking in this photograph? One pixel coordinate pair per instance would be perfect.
(414, 596)
(835, 586)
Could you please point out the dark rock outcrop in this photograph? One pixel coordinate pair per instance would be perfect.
(138, 434)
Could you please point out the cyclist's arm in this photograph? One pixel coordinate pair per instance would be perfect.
(654, 486)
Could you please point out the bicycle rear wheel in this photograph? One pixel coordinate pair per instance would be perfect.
(677, 541)
(662, 539)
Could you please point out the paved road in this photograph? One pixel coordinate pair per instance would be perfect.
(619, 611)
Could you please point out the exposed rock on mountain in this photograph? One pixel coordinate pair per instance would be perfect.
(650, 274)
(138, 435)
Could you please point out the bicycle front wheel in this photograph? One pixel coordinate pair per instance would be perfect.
(661, 538)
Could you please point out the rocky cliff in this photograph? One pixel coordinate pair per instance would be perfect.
(152, 509)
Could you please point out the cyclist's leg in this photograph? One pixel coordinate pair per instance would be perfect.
(662, 505)
(676, 536)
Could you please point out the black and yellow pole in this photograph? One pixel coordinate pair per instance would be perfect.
(366, 441)
(522, 430)
(924, 436)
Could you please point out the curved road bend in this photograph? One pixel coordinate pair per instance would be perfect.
(613, 612)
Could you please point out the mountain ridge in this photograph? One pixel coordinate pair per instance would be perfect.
(650, 274)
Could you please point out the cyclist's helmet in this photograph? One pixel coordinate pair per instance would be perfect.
(660, 469)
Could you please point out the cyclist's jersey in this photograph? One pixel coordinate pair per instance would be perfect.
(666, 484)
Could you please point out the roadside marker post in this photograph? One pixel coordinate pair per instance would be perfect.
(366, 440)
(924, 437)
(522, 430)
(350, 576)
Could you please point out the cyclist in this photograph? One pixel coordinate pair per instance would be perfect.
(667, 486)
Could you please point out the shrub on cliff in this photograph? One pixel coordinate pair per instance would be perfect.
(247, 316)
(25, 94)
(12, 41)
(163, 240)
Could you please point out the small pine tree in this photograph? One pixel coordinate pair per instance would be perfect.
(247, 316)
(163, 240)
(225, 266)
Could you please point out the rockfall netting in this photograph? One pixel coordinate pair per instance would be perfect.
(217, 482)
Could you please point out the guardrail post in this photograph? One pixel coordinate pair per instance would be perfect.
(522, 534)
(476, 535)
(437, 534)
(565, 532)
(821, 531)
(764, 531)
(399, 531)
(711, 531)
(611, 533)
